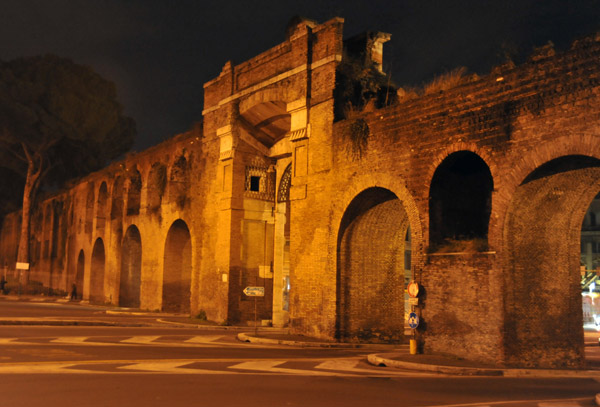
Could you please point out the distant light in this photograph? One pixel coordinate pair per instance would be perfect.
(499, 79)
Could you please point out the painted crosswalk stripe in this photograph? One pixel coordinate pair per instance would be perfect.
(70, 339)
(170, 367)
(44, 368)
(140, 339)
(271, 366)
(203, 338)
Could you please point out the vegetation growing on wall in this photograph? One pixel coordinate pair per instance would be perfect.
(358, 83)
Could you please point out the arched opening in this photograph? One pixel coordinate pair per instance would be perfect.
(371, 268)
(157, 182)
(131, 268)
(542, 233)
(116, 208)
(590, 266)
(179, 182)
(79, 273)
(177, 273)
(89, 210)
(101, 207)
(460, 203)
(134, 193)
(97, 272)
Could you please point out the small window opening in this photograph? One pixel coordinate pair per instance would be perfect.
(255, 183)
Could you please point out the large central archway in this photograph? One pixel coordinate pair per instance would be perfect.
(371, 268)
(131, 268)
(543, 309)
(177, 272)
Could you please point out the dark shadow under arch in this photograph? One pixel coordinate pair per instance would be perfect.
(131, 268)
(97, 272)
(371, 268)
(177, 272)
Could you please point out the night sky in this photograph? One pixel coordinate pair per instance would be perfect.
(161, 52)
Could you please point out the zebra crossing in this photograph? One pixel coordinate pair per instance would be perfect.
(151, 340)
(347, 367)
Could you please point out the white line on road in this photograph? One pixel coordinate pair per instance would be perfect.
(270, 366)
(204, 338)
(70, 339)
(140, 339)
(170, 367)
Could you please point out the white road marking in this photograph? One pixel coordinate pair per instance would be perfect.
(140, 339)
(203, 338)
(170, 367)
(45, 368)
(70, 339)
(270, 366)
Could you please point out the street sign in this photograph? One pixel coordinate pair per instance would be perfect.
(413, 301)
(22, 266)
(413, 289)
(254, 291)
(413, 320)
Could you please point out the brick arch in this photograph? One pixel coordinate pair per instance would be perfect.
(135, 185)
(177, 268)
(370, 268)
(131, 268)
(541, 256)
(484, 154)
(521, 164)
(101, 205)
(363, 181)
(460, 193)
(278, 93)
(178, 182)
(97, 272)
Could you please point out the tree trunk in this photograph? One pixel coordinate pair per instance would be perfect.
(31, 183)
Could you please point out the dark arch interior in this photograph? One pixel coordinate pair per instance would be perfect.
(97, 273)
(134, 194)
(460, 201)
(371, 245)
(177, 271)
(131, 269)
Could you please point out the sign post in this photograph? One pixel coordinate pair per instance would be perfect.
(413, 318)
(255, 292)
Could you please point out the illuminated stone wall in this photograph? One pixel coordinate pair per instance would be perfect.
(492, 178)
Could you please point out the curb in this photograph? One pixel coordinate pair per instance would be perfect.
(382, 360)
(245, 337)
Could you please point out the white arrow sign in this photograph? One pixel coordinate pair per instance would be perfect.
(254, 291)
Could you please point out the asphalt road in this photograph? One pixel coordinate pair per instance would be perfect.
(167, 366)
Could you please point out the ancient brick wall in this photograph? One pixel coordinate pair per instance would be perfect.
(515, 120)
(487, 182)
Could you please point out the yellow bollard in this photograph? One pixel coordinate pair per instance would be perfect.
(413, 346)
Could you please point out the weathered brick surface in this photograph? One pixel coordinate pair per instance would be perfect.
(514, 299)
